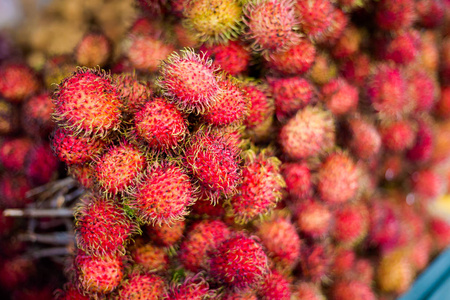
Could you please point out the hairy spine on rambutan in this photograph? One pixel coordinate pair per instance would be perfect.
(143, 286)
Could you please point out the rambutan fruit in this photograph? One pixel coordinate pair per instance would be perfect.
(239, 262)
(118, 167)
(41, 165)
(422, 90)
(440, 232)
(146, 52)
(166, 235)
(88, 102)
(339, 96)
(205, 207)
(150, 257)
(395, 14)
(427, 184)
(37, 115)
(309, 133)
(70, 292)
(247, 294)
(296, 60)
(163, 194)
(261, 186)
(386, 89)
(420, 252)
(395, 272)
(443, 104)
(351, 224)
(189, 81)
(356, 69)
(315, 262)
(364, 270)
(13, 189)
(9, 117)
(307, 290)
(430, 13)
(365, 141)
(213, 20)
(231, 106)
(313, 218)
(384, 228)
(402, 48)
(17, 81)
(85, 174)
(343, 263)
(96, 220)
(93, 50)
(337, 178)
(134, 94)
(314, 17)
(275, 287)
(290, 95)
(298, 179)
(398, 135)
(98, 275)
(202, 238)
(271, 25)
(348, 43)
(13, 152)
(15, 272)
(231, 57)
(145, 25)
(193, 288)
(423, 148)
(281, 241)
(72, 149)
(213, 161)
(143, 286)
(160, 124)
(338, 23)
(323, 70)
(354, 289)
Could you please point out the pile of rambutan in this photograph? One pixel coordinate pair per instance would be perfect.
(263, 149)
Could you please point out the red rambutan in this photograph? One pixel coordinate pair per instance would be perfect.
(93, 50)
(355, 289)
(143, 286)
(146, 52)
(17, 81)
(339, 96)
(13, 152)
(37, 115)
(395, 14)
(315, 17)
(275, 287)
(351, 224)
(296, 60)
(167, 234)
(151, 258)
(313, 218)
(365, 141)
(231, 57)
(398, 135)
(298, 179)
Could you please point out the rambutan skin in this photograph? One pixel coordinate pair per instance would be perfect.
(41, 165)
(366, 140)
(195, 288)
(143, 286)
(427, 184)
(150, 257)
(398, 135)
(402, 48)
(239, 262)
(134, 94)
(262, 106)
(17, 81)
(315, 262)
(275, 287)
(13, 153)
(146, 52)
(351, 224)
(160, 124)
(296, 60)
(395, 14)
(96, 220)
(88, 102)
(93, 50)
(298, 179)
(314, 219)
(36, 115)
(167, 234)
(339, 96)
(307, 290)
(314, 17)
(13, 188)
(232, 57)
(424, 145)
(356, 289)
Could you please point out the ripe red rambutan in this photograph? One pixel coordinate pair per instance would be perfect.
(201, 239)
(423, 148)
(307, 290)
(231, 57)
(338, 23)
(402, 48)
(143, 286)
(338, 178)
(313, 218)
(189, 81)
(160, 124)
(147, 26)
(398, 135)
(339, 96)
(357, 290)
(271, 25)
(314, 17)
(384, 228)
(298, 179)
(430, 12)
(41, 165)
(261, 186)
(351, 224)
(17, 81)
(395, 14)
(193, 288)
(146, 52)
(315, 262)
(13, 152)
(356, 69)
(309, 133)
(422, 90)
(98, 275)
(365, 140)
(88, 103)
(427, 184)
(150, 257)
(296, 60)
(420, 252)
(275, 287)
(93, 50)
(72, 149)
(166, 235)
(84, 174)
(290, 95)
(343, 263)
(204, 207)
(118, 167)
(96, 220)
(239, 262)
(440, 231)
(247, 294)
(37, 115)
(429, 51)
(134, 94)
(13, 188)
(348, 43)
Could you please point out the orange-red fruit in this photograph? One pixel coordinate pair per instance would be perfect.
(296, 60)
(98, 275)
(290, 95)
(73, 149)
(338, 178)
(343, 262)
(355, 289)
(134, 93)
(13, 153)
(365, 270)
(281, 241)
(239, 262)
(118, 167)
(351, 224)
(313, 218)
(309, 133)
(93, 50)
(348, 43)
(99, 219)
(298, 179)
(150, 257)
(356, 69)
(17, 81)
(275, 287)
(202, 238)
(88, 102)
(194, 288)
(315, 262)
(430, 12)
(146, 52)
(339, 21)
(41, 164)
(260, 189)
(402, 48)
(443, 105)
(231, 107)
(339, 96)
(427, 184)
(163, 194)
(423, 148)
(84, 174)
(166, 234)
(307, 290)
(440, 231)
(13, 188)
(422, 90)
(189, 81)
(160, 124)
(213, 161)
(395, 14)
(261, 109)
(365, 139)
(315, 17)
(271, 25)
(37, 115)
(143, 286)
(398, 136)
(232, 57)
